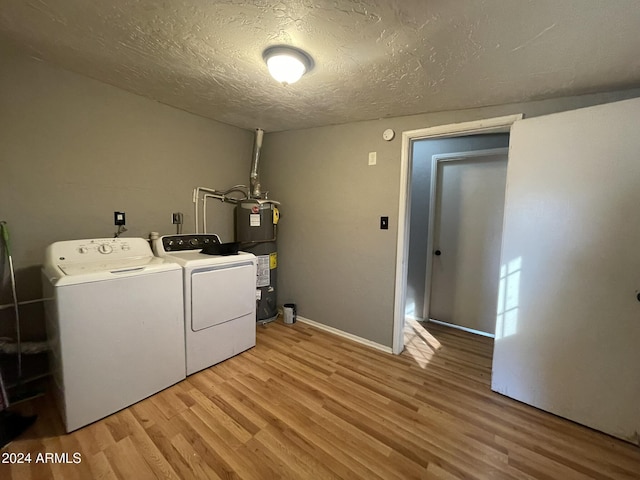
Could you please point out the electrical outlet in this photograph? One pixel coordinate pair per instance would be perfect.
(118, 218)
(373, 158)
(176, 218)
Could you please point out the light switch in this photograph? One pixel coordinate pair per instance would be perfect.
(373, 156)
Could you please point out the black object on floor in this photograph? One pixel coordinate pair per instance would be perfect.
(12, 425)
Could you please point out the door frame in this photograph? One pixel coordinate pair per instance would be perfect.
(435, 161)
(490, 125)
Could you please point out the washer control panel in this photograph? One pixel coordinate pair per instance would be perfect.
(99, 248)
(177, 243)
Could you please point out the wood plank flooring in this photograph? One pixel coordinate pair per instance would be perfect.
(305, 404)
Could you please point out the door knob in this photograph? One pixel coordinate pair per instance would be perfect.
(638, 297)
(438, 253)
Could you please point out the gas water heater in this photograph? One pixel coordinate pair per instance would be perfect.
(256, 219)
(256, 225)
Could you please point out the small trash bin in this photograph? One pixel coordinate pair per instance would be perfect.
(290, 313)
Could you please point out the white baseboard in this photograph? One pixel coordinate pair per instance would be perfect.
(414, 318)
(343, 334)
(465, 329)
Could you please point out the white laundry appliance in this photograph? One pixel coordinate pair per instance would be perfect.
(219, 298)
(115, 323)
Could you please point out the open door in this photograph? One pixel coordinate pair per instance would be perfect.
(568, 326)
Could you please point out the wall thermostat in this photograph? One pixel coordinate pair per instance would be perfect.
(388, 134)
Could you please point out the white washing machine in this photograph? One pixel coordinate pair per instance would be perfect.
(219, 298)
(115, 324)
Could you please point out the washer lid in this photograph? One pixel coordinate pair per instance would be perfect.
(74, 273)
(193, 258)
(114, 266)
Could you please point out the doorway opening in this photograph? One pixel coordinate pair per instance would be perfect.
(407, 302)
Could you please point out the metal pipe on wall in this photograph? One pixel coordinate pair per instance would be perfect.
(217, 194)
(254, 191)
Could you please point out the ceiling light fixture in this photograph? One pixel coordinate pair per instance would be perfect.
(287, 64)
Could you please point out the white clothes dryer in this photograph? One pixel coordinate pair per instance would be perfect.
(219, 298)
(114, 316)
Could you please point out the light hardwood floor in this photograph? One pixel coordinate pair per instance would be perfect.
(305, 404)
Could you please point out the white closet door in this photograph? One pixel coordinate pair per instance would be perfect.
(469, 192)
(568, 329)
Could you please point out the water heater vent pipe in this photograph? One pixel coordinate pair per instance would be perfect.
(254, 189)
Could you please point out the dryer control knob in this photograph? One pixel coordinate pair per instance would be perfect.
(105, 248)
(194, 242)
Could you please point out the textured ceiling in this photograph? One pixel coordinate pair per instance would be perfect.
(373, 59)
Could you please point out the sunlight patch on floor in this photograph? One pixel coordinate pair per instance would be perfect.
(419, 343)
